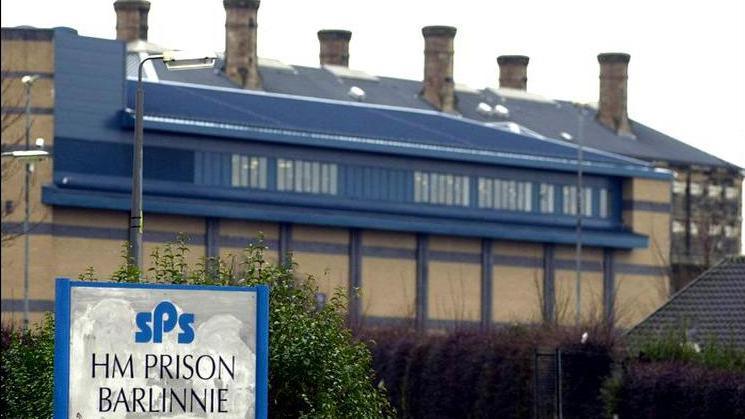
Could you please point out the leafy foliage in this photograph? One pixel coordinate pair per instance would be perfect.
(27, 371)
(317, 368)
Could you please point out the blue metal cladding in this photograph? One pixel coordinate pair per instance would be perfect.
(115, 159)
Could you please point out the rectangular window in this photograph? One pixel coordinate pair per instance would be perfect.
(730, 192)
(443, 189)
(678, 227)
(306, 176)
(569, 195)
(569, 198)
(715, 230)
(248, 172)
(679, 187)
(696, 189)
(731, 231)
(508, 195)
(547, 198)
(603, 203)
(715, 191)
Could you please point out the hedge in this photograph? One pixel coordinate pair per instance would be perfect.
(676, 390)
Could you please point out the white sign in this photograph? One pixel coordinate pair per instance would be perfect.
(145, 350)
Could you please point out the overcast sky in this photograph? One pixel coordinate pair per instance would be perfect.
(686, 75)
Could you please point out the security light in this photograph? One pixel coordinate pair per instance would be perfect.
(184, 60)
(39, 143)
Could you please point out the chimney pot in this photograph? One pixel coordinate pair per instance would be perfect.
(439, 87)
(241, 60)
(513, 71)
(334, 47)
(131, 19)
(612, 104)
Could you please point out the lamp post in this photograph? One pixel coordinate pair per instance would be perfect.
(27, 156)
(580, 208)
(174, 60)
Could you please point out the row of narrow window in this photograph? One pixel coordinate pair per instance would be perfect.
(296, 175)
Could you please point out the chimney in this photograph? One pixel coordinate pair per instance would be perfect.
(613, 92)
(513, 71)
(439, 88)
(241, 62)
(334, 47)
(131, 19)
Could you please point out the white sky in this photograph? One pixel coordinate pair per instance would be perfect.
(686, 76)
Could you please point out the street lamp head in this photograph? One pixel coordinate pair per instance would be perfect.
(29, 80)
(27, 156)
(185, 60)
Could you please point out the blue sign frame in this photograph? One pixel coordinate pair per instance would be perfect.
(62, 336)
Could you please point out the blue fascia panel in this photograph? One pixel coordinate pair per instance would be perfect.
(376, 145)
(339, 218)
(70, 180)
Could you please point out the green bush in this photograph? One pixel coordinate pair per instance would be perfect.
(27, 371)
(316, 367)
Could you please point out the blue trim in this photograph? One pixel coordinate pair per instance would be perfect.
(609, 286)
(61, 348)
(665, 207)
(422, 280)
(340, 218)
(487, 269)
(388, 252)
(585, 265)
(549, 284)
(355, 274)
(34, 305)
(212, 237)
(16, 110)
(62, 336)
(350, 200)
(262, 352)
(459, 257)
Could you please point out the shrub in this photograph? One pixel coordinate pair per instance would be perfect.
(474, 374)
(317, 368)
(27, 371)
(677, 390)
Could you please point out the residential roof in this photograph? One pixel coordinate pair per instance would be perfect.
(549, 118)
(713, 305)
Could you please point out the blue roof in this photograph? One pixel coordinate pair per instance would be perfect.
(549, 118)
(332, 123)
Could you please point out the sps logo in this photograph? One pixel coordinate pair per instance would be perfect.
(163, 319)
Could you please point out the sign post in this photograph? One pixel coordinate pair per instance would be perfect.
(152, 350)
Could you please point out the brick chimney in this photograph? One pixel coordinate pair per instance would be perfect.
(513, 71)
(613, 92)
(334, 47)
(241, 62)
(131, 19)
(439, 88)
